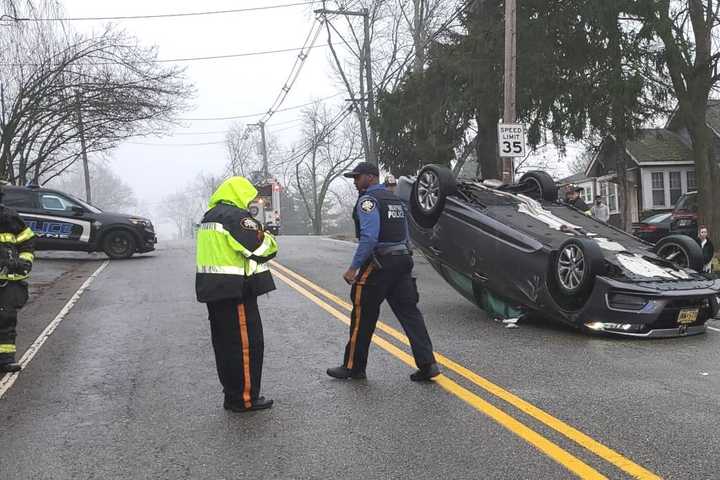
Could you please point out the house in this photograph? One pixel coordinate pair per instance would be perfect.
(660, 169)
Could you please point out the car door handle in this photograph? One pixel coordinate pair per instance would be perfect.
(436, 250)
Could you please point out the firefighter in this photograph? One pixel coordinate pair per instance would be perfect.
(382, 269)
(232, 251)
(17, 244)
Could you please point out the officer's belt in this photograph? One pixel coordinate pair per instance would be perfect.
(393, 250)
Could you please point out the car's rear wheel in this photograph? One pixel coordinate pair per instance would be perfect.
(119, 244)
(544, 184)
(681, 250)
(574, 268)
(434, 183)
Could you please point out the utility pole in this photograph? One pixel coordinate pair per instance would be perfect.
(83, 146)
(366, 58)
(509, 111)
(263, 148)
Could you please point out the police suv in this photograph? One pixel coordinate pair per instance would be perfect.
(62, 222)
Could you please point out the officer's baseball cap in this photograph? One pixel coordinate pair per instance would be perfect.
(363, 168)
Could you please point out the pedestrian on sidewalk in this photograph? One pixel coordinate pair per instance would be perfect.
(708, 248)
(232, 251)
(17, 245)
(382, 269)
(600, 210)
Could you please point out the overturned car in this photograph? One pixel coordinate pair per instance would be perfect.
(516, 245)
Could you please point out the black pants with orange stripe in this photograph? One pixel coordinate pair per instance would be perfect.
(394, 283)
(237, 337)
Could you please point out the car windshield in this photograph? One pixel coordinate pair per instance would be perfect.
(86, 205)
(687, 202)
(659, 218)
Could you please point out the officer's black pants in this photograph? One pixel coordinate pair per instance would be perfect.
(13, 297)
(237, 338)
(395, 283)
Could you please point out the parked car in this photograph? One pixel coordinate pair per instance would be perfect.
(685, 215)
(62, 222)
(653, 228)
(518, 244)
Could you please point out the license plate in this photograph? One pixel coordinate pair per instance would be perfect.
(686, 317)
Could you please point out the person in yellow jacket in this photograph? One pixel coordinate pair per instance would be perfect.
(232, 251)
(17, 244)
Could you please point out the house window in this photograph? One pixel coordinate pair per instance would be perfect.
(675, 186)
(658, 189)
(691, 185)
(587, 194)
(609, 193)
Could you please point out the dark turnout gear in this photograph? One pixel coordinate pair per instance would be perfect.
(232, 251)
(17, 244)
(385, 273)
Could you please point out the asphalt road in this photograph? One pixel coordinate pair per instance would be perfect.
(126, 388)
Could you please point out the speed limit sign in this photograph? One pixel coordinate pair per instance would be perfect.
(511, 140)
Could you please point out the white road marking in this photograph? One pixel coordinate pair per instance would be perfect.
(9, 379)
(713, 328)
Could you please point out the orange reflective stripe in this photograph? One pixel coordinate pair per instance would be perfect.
(244, 339)
(358, 313)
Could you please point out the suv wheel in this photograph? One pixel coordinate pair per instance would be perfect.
(119, 244)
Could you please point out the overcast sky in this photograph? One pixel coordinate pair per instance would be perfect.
(227, 87)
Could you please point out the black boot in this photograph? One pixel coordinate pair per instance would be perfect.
(10, 367)
(425, 373)
(343, 373)
(261, 403)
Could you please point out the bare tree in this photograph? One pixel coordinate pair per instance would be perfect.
(186, 207)
(331, 146)
(111, 192)
(52, 78)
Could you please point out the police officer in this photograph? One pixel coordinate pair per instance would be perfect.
(232, 251)
(382, 269)
(17, 244)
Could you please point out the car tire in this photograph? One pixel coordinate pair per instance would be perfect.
(427, 200)
(119, 244)
(544, 182)
(575, 266)
(681, 250)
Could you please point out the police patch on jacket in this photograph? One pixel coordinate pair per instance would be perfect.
(367, 205)
(249, 224)
(395, 211)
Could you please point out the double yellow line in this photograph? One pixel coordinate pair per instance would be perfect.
(552, 450)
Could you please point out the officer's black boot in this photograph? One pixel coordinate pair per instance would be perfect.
(261, 403)
(425, 373)
(343, 373)
(10, 367)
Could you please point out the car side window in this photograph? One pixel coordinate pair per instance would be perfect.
(18, 199)
(56, 203)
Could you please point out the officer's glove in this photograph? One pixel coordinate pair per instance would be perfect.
(24, 266)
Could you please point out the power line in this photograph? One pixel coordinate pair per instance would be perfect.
(252, 115)
(165, 15)
(186, 59)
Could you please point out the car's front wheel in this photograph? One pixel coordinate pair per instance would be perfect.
(574, 268)
(434, 183)
(119, 244)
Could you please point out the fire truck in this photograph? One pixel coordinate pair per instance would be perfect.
(266, 206)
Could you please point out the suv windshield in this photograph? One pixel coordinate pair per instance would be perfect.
(687, 202)
(92, 208)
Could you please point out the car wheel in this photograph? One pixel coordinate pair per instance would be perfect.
(433, 184)
(543, 182)
(681, 250)
(119, 244)
(577, 263)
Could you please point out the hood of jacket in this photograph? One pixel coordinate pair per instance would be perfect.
(237, 191)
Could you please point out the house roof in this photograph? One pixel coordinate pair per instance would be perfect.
(655, 145)
(712, 116)
(572, 179)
